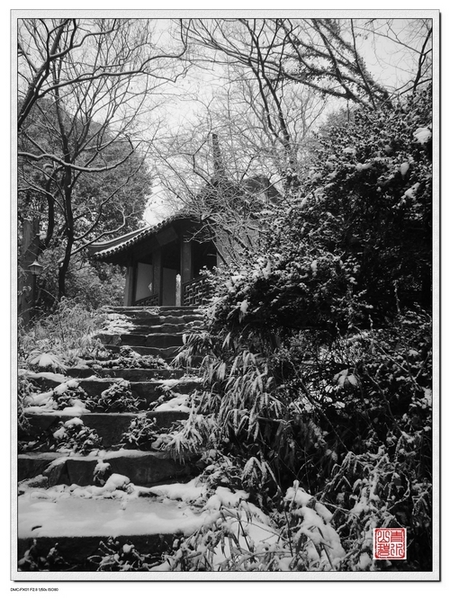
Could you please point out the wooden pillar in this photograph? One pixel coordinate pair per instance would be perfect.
(185, 261)
(157, 274)
(129, 286)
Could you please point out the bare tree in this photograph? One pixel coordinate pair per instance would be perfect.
(261, 129)
(403, 44)
(85, 88)
(276, 77)
(325, 55)
(128, 48)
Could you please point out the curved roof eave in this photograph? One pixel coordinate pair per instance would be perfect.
(105, 250)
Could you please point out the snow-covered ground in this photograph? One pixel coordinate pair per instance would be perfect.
(120, 508)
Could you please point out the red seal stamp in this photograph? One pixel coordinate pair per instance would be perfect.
(389, 543)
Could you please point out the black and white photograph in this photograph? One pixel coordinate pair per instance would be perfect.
(225, 297)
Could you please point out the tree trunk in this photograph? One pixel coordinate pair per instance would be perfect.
(64, 267)
(26, 280)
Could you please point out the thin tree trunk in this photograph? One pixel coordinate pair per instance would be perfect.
(64, 267)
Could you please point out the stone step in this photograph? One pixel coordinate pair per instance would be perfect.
(155, 309)
(46, 381)
(180, 328)
(147, 390)
(130, 374)
(109, 426)
(78, 525)
(84, 515)
(142, 467)
(177, 315)
(166, 353)
(157, 340)
(154, 319)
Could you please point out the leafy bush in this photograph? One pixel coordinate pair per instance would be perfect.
(64, 337)
(71, 396)
(34, 561)
(128, 358)
(354, 246)
(25, 389)
(117, 398)
(241, 538)
(347, 416)
(142, 433)
(114, 556)
(91, 285)
(318, 349)
(69, 436)
(383, 490)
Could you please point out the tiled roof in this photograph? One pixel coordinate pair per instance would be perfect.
(105, 249)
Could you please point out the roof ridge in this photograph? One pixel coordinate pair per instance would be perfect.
(108, 248)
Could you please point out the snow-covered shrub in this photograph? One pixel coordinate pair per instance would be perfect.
(349, 416)
(383, 490)
(44, 361)
(308, 525)
(68, 395)
(143, 432)
(240, 537)
(128, 358)
(117, 398)
(71, 436)
(75, 436)
(61, 338)
(114, 556)
(25, 389)
(34, 561)
(319, 347)
(354, 245)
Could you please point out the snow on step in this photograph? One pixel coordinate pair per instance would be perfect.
(73, 516)
(77, 518)
(122, 508)
(143, 467)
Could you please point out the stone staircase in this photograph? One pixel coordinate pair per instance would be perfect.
(78, 500)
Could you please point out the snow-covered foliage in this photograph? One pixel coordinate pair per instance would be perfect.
(318, 350)
(70, 436)
(128, 358)
(46, 361)
(143, 433)
(118, 397)
(305, 406)
(67, 397)
(243, 538)
(60, 339)
(354, 245)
